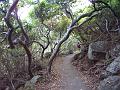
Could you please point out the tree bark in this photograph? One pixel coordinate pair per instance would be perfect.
(29, 55)
(9, 25)
(72, 26)
(66, 36)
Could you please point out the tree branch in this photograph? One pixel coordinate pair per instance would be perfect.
(80, 17)
(66, 36)
(9, 25)
(29, 55)
(114, 13)
(11, 9)
(27, 41)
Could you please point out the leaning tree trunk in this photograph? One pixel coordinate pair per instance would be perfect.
(66, 36)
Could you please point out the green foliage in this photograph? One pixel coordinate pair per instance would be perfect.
(56, 20)
(59, 1)
(116, 6)
(62, 24)
(44, 11)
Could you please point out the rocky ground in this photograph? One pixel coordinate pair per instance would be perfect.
(90, 73)
(92, 69)
(100, 65)
(65, 76)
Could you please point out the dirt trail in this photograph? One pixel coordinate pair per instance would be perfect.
(69, 76)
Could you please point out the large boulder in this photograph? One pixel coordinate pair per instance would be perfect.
(105, 74)
(97, 50)
(114, 67)
(110, 83)
(115, 52)
(30, 85)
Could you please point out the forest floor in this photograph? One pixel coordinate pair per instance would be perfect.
(90, 72)
(66, 76)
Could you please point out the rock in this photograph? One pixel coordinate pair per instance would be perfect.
(97, 50)
(105, 74)
(115, 52)
(110, 83)
(30, 85)
(114, 67)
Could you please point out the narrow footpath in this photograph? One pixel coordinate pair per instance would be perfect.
(69, 76)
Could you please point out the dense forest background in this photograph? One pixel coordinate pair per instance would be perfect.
(28, 45)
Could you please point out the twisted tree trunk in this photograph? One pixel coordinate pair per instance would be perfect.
(67, 34)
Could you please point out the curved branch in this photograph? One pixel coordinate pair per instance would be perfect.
(38, 43)
(47, 36)
(67, 34)
(23, 31)
(9, 25)
(11, 9)
(114, 13)
(98, 1)
(29, 55)
(80, 17)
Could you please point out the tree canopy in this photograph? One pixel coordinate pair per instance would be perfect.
(52, 27)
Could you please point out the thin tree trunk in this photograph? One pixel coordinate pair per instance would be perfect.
(67, 34)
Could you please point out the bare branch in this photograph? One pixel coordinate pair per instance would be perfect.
(23, 31)
(11, 9)
(66, 36)
(38, 43)
(80, 17)
(9, 25)
(108, 6)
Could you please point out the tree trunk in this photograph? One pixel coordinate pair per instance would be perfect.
(66, 36)
(29, 55)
